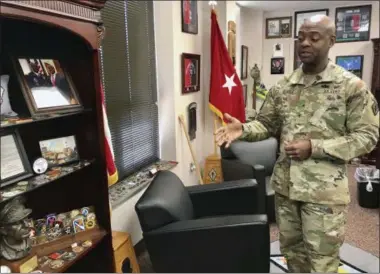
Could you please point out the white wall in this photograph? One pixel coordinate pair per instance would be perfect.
(352, 48)
(171, 42)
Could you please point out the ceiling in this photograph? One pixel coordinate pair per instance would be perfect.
(292, 5)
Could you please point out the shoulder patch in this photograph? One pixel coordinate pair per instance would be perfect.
(375, 107)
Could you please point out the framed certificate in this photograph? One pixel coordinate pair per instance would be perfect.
(353, 24)
(14, 162)
(301, 16)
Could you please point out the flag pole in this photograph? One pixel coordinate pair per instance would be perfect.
(216, 118)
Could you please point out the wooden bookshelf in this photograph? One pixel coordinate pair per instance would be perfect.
(69, 31)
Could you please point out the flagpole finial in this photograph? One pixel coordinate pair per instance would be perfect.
(212, 4)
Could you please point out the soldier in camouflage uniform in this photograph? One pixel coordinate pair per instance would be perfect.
(325, 117)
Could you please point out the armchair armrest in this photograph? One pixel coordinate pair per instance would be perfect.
(232, 244)
(226, 198)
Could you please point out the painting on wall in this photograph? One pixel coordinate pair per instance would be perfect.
(352, 63)
(244, 62)
(297, 61)
(189, 11)
(353, 23)
(301, 16)
(280, 27)
(191, 70)
(277, 65)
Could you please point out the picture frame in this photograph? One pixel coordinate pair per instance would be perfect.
(245, 94)
(297, 61)
(60, 151)
(279, 27)
(15, 165)
(46, 85)
(189, 16)
(277, 65)
(351, 63)
(244, 62)
(301, 16)
(191, 72)
(353, 24)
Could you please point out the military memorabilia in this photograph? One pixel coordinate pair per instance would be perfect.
(280, 27)
(40, 166)
(74, 213)
(297, 61)
(59, 151)
(78, 224)
(87, 244)
(91, 216)
(353, 23)
(189, 10)
(90, 224)
(55, 255)
(68, 256)
(46, 262)
(277, 65)
(46, 86)
(301, 16)
(77, 249)
(191, 70)
(55, 264)
(14, 162)
(50, 220)
(6, 108)
(14, 241)
(352, 63)
(85, 211)
(244, 63)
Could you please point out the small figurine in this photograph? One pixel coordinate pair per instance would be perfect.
(14, 242)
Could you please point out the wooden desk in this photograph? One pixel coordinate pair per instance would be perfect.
(123, 248)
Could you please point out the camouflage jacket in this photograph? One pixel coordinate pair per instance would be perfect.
(337, 113)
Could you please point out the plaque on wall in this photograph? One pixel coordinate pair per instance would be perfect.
(353, 23)
(14, 162)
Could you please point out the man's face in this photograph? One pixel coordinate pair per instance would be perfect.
(314, 43)
(34, 67)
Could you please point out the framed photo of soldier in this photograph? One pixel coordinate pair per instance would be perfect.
(352, 63)
(47, 86)
(280, 27)
(15, 165)
(353, 24)
(301, 16)
(277, 65)
(189, 15)
(191, 69)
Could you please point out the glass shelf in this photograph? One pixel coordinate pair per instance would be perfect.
(38, 181)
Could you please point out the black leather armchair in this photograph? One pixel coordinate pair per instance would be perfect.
(239, 161)
(204, 228)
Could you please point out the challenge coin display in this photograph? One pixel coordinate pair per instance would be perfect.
(40, 166)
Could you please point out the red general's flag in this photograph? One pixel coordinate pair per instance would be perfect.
(226, 90)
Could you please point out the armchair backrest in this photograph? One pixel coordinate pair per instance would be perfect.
(262, 153)
(165, 201)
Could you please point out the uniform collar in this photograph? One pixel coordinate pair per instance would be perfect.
(327, 75)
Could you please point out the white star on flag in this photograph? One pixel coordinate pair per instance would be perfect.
(229, 82)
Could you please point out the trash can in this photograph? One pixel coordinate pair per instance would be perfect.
(368, 185)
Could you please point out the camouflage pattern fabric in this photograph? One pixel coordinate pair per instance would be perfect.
(310, 234)
(335, 111)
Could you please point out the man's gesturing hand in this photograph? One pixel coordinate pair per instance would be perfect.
(298, 150)
(229, 133)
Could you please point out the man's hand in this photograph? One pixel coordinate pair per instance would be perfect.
(229, 133)
(298, 150)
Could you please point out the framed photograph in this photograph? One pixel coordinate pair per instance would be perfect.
(352, 63)
(301, 16)
(245, 94)
(353, 24)
(297, 61)
(244, 62)
(15, 165)
(59, 151)
(191, 71)
(189, 11)
(280, 27)
(47, 86)
(277, 65)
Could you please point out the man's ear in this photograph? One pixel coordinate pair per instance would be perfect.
(332, 41)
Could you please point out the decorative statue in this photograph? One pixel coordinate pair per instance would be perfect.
(255, 74)
(15, 243)
(232, 41)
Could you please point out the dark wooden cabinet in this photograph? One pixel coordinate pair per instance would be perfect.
(374, 157)
(71, 32)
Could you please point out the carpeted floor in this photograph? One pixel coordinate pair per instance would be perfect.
(362, 229)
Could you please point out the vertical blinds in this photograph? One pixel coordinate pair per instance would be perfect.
(129, 79)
